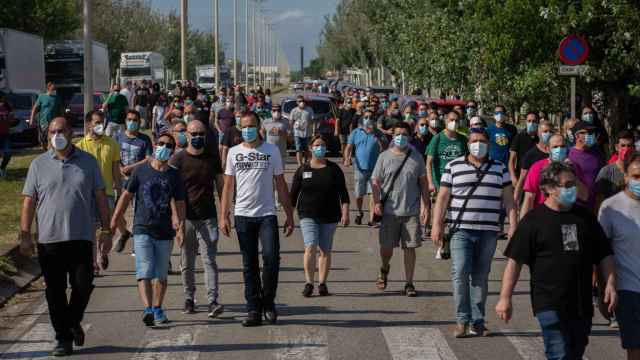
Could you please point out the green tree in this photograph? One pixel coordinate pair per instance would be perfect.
(51, 19)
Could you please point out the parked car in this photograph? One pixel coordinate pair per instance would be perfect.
(22, 135)
(75, 108)
(325, 113)
(297, 86)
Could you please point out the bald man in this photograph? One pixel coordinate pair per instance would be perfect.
(201, 172)
(65, 185)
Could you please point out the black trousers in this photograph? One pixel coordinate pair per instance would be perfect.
(63, 263)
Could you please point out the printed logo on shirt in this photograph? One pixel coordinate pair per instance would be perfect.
(452, 151)
(307, 175)
(253, 160)
(502, 139)
(570, 238)
(156, 195)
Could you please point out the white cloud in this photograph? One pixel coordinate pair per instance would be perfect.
(288, 15)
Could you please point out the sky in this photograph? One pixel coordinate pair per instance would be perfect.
(298, 23)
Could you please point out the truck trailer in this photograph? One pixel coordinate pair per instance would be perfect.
(21, 61)
(139, 66)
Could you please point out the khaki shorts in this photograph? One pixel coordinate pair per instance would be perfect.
(400, 231)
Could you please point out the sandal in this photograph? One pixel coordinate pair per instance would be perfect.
(381, 283)
(410, 290)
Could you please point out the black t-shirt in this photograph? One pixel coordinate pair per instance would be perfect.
(198, 174)
(154, 190)
(202, 110)
(319, 193)
(521, 144)
(232, 137)
(346, 116)
(421, 143)
(560, 249)
(531, 157)
(142, 97)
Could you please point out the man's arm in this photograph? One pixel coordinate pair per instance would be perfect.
(26, 219)
(283, 195)
(225, 204)
(128, 169)
(509, 204)
(517, 193)
(347, 155)
(512, 166)
(527, 204)
(34, 111)
(425, 203)
(223, 157)
(439, 212)
(431, 184)
(607, 272)
(504, 308)
(121, 207)
(104, 242)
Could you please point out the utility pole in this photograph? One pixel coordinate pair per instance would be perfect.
(246, 47)
(235, 42)
(259, 72)
(183, 39)
(253, 40)
(88, 59)
(216, 29)
(302, 63)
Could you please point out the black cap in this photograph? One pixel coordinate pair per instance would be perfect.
(581, 126)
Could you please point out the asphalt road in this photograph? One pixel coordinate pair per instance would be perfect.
(356, 322)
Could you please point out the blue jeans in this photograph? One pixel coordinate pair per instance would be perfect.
(563, 339)
(259, 294)
(471, 255)
(152, 257)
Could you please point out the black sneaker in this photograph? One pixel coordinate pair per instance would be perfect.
(322, 290)
(271, 316)
(189, 307)
(78, 335)
(215, 310)
(121, 241)
(63, 348)
(308, 290)
(254, 318)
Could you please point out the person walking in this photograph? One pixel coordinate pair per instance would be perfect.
(158, 218)
(64, 187)
(401, 197)
(275, 129)
(115, 107)
(301, 119)
(560, 242)
(473, 189)
(251, 169)
(611, 179)
(46, 108)
(620, 219)
(320, 193)
(200, 171)
(443, 148)
(6, 120)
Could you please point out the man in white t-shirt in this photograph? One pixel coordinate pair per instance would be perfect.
(251, 168)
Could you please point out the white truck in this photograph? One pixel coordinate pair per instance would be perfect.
(138, 66)
(206, 77)
(64, 66)
(21, 61)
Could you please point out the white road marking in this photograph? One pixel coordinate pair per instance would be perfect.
(406, 343)
(37, 343)
(169, 343)
(302, 343)
(528, 343)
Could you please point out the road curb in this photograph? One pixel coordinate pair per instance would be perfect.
(28, 271)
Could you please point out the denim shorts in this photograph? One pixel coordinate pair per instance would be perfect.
(362, 184)
(628, 316)
(301, 143)
(152, 257)
(318, 234)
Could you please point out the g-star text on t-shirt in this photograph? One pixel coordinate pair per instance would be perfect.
(254, 156)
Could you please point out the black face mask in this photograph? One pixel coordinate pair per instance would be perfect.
(197, 142)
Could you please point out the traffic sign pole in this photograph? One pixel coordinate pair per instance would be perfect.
(573, 97)
(574, 50)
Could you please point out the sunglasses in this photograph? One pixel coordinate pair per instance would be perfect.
(168, 145)
(197, 133)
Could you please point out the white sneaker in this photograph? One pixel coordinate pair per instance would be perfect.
(438, 255)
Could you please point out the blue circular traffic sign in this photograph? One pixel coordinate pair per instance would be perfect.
(574, 50)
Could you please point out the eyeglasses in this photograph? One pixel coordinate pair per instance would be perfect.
(197, 133)
(168, 145)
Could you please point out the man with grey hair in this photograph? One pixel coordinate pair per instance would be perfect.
(65, 185)
(560, 256)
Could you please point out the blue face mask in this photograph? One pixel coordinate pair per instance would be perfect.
(558, 154)
(422, 114)
(568, 196)
(249, 134)
(588, 117)
(532, 127)
(634, 187)
(197, 142)
(401, 141)
(545, 137)
(319, 151)
(133, 125)
(182, 139)
(422, 129)
(589, 140)
(162, 153)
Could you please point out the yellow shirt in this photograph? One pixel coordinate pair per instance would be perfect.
(106, 151)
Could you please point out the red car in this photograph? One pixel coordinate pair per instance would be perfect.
(75, 108)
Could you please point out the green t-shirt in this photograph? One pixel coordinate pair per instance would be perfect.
(48, 107)
(443, 150)
(116, 104)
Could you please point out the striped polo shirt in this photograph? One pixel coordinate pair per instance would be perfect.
(484, 206)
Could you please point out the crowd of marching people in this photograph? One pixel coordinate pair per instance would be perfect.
(456, 176)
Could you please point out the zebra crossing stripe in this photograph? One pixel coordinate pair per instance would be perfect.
(167, 343)
(301, 343)
(414, 343)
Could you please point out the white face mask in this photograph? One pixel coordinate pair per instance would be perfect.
(98, 129)
(452, 125)
(433, 123)
(478, 149)
(59, 142)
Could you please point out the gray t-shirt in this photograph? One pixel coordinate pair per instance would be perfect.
(64, 191)
(302, 122)
(610, 181)
(620, 218)
(404, 199)
(276, 131)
